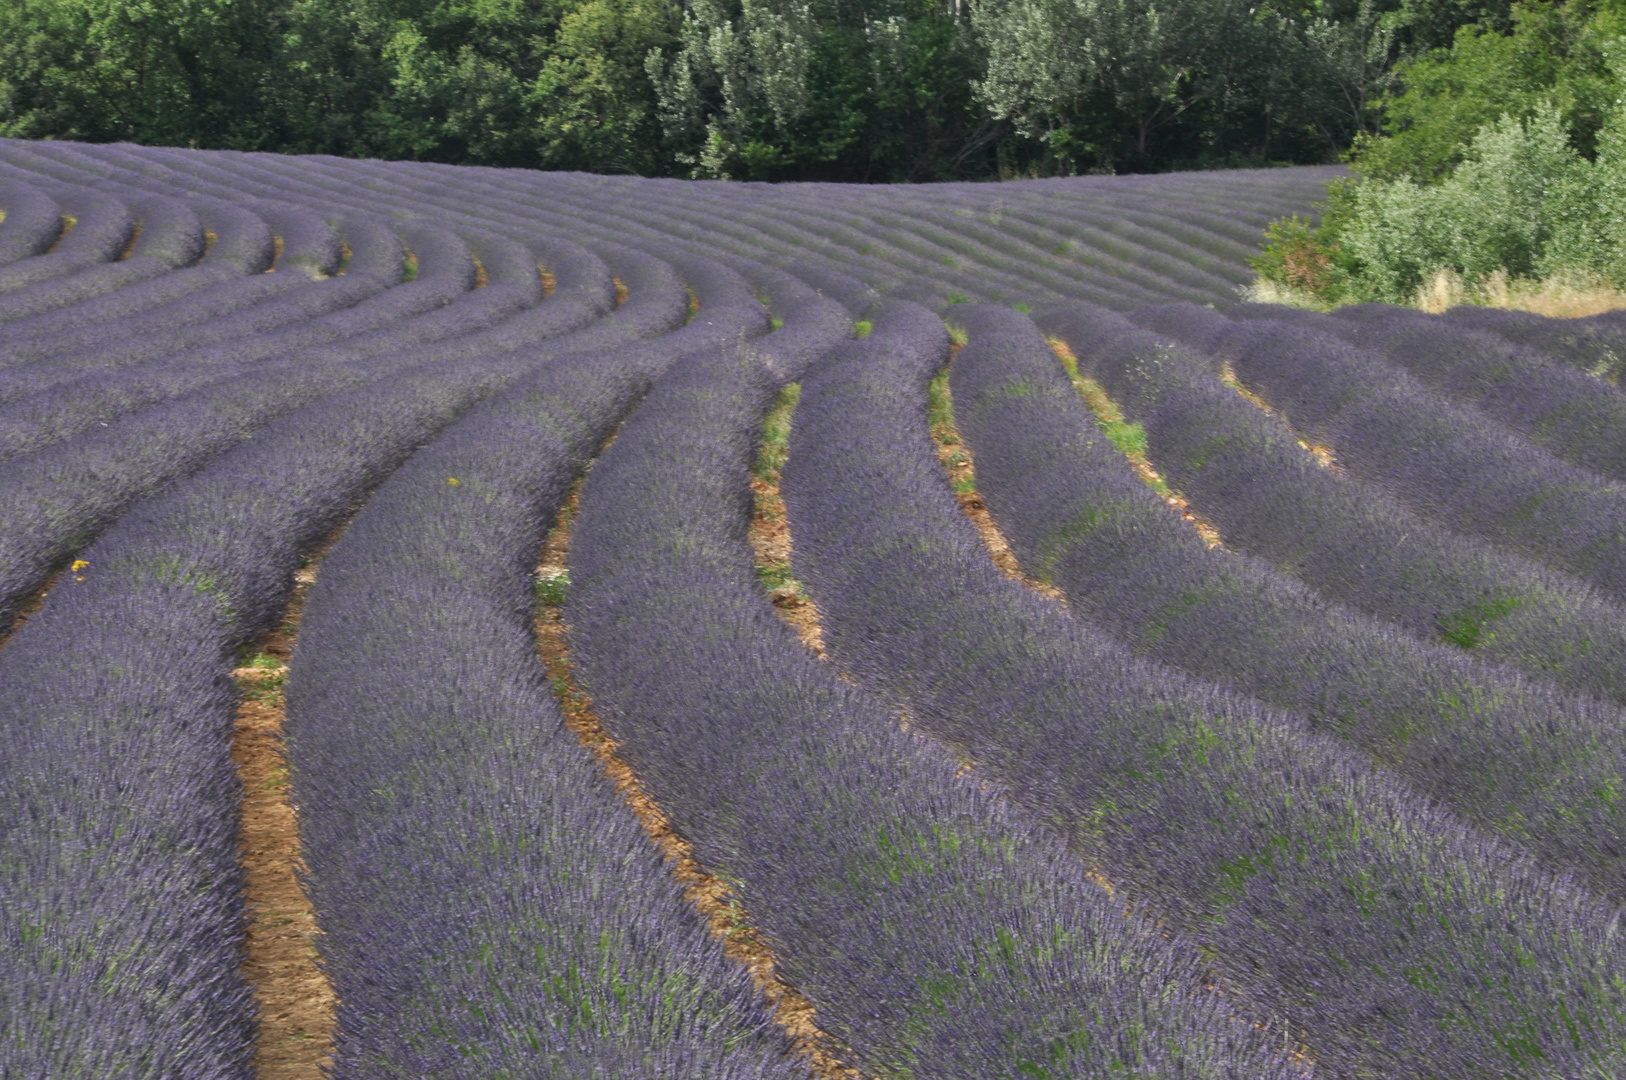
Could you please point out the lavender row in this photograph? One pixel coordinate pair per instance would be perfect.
(1443, 462)
(230, 313)
(1596, 345)
(242, 245)
(1313, 881)
(364, 305)
(447, 814)
(774, 223)
(168, 236)
(1571, 415)
(933, 931)
(1245, 473)
(350, 169)
(978, 263)
(101, 231)
(60, 497)
(311, 250)
(1510, 754)
(119, 803)
(47, 401)
(32, 223)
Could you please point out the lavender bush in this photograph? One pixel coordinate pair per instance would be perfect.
(935, 932)
(1513, 755)
(1245, 472)
(32, 224)
(1311, 880)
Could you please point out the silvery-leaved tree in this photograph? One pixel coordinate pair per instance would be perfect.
(739, 69)
(1101, 82)
(758, 89)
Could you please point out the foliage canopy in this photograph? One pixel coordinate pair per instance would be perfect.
(865, 90)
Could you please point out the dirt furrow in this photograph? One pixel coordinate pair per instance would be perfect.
(296, 1002)
(710, 895)
(1130, 440)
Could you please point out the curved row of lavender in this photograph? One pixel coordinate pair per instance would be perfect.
(935, 933)
(447, 814)
(1320, 888)
(1569, 413)
(117, 702)
(1245, 472)
(1444, 462)
(1506, 752)
(135, 392)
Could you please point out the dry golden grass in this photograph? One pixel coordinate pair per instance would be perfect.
(1269, 292)
(1561, 296)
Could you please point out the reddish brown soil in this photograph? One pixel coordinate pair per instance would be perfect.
(1107, 412)
(295, 1034)
(1323, 454)
(727, 918)
(770, 543)
(135, 234)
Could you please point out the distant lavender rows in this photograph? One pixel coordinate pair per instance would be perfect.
(187, 424)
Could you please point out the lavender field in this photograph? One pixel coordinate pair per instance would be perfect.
(477, 623)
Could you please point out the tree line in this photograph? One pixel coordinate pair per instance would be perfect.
(1497, 175)
(843, 90)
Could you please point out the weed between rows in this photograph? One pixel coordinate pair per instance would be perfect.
(1130, 439)
(1323, 454)
(68, 222)
(770, 529)
(135, 237)
(549, 282)
(294, 1038)
(956, 460)
(711, 895)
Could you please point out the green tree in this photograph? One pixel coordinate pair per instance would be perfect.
(1114, 84)
(823, 89)
(187, 72)
(594, 103)
(1544, 52)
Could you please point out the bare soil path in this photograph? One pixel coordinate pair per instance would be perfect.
(295, 999)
